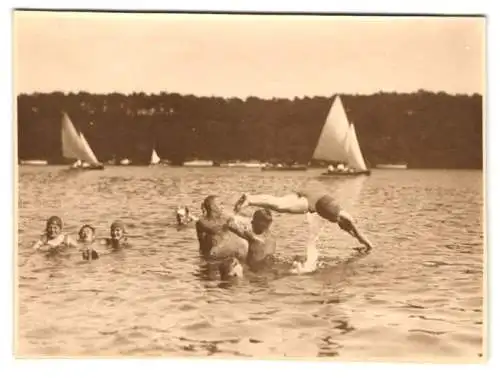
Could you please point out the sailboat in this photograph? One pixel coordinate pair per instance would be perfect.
(155, 159)
(75, 146)
(338, 143)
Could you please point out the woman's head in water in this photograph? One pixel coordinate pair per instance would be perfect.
(86, 234)
(117, 231)
(53, 227)
(261, 221)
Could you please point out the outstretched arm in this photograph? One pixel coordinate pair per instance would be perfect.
(242, 233)
(44, 248)
(347, 224)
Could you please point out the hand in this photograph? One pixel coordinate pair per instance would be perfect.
(362, 250)
(241, 203)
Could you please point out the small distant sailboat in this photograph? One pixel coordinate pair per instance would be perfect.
(34, 162)
(241, 164)
(125, 161)
(338, 142)
(392, 166)
(198, 163)
(75, 146)
(155, 159)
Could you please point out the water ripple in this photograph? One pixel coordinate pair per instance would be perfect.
(417, 295)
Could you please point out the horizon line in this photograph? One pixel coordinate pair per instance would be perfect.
(163, 92)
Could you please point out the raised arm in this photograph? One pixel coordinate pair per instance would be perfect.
(242, 233)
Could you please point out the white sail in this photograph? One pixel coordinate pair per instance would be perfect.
(332, 140)
(155, 159)
(91, 156)
(354, 156)
(74, 145)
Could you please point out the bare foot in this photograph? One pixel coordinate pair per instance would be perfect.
(241, 203)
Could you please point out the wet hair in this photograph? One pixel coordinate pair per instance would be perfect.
(80, 233)
(54, 220)
(263, 215)
(207, 203)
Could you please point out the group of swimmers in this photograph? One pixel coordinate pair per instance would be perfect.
(255, 245)
(227, 241)
(54, 239)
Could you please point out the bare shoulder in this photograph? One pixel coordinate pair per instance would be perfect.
(271, 238)
(270, 244)
(202, 222)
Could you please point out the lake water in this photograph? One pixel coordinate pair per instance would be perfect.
(417, 296)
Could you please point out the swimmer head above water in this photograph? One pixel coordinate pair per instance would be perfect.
(86, 234)
(53, 227)
(117, 230)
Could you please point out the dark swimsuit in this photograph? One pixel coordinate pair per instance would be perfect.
(324, 204)
(328, 208)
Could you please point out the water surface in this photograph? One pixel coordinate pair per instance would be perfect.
(417, 296)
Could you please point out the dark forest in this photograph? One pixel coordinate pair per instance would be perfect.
(423, 129)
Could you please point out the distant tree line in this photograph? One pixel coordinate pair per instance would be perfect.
(424, 129)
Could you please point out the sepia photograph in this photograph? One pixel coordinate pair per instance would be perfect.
(249, 186)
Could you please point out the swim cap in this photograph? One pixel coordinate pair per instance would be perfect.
(54, 220)
(263, 215)
(118, 224)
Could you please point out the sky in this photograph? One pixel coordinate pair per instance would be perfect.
(246, 55)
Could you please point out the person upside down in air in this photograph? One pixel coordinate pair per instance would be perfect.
(310, 199)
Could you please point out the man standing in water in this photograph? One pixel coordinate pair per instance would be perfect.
(217, 243)
(310, 199)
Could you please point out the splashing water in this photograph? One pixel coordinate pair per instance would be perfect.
(311, 263)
